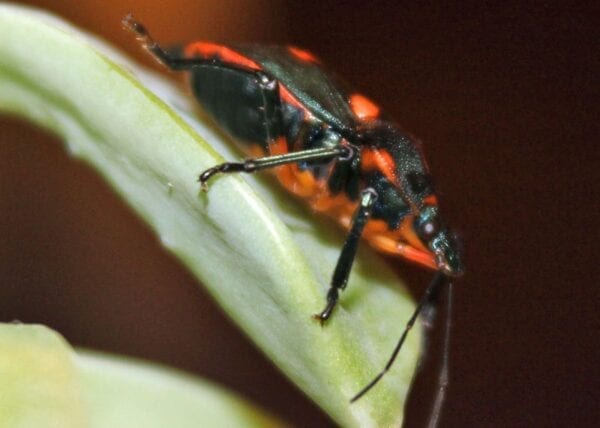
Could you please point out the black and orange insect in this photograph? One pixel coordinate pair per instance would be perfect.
(331, 146)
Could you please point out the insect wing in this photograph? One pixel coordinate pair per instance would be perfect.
(320, 92)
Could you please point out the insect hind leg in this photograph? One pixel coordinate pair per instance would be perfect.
(143, 36)
(170, 60)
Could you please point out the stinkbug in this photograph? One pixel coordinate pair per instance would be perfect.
(331, 146)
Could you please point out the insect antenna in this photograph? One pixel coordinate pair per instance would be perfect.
(430, 292)
(443, 377)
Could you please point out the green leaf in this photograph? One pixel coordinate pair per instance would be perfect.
(38, 383)
(265, 258)
(44, 383)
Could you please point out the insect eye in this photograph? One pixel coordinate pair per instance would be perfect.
(428, 229)
(419, 182)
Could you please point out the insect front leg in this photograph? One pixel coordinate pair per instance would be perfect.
(344, 264)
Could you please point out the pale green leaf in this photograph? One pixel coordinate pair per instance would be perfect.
(266, 259)
(45, 384)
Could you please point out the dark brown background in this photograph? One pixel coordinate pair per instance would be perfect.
(503, 98)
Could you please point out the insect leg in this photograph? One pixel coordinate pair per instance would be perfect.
(431, 291)
(344, 264)
(252, 165)
(173, 62)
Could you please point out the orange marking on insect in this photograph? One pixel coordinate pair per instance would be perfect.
(409, 235)
(402, 241)
(225, 54)
(328, 202)
(379, 160)
(254, 151)
(302, 54)
(390, 245)
(374, 227)
(431, 200)
(382, 243)
(424, 258)
(363, 107)
(286, 177)
(306, 185)
(300, 183)
(338, 207)
(278, 147)
(288, 98)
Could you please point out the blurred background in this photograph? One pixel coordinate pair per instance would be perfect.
(504, 98)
